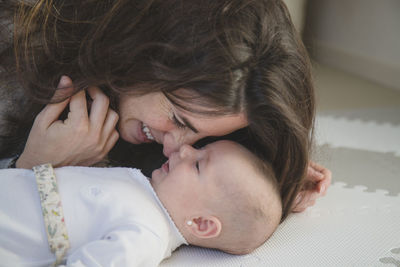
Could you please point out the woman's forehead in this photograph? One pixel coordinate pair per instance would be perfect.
(204, 103)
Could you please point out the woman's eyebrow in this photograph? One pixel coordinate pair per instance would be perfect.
(189, 124)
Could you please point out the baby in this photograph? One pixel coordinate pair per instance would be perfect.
(220, 196)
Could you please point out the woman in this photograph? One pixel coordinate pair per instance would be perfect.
(175, 71)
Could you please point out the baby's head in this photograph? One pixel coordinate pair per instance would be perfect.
(220, 196)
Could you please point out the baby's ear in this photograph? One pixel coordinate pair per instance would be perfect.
(205, 227)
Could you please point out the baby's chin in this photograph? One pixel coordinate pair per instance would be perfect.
(156, 176)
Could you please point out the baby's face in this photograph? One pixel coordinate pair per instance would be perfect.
(191, 176)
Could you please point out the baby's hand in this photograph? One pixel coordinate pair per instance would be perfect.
(78, 140)
(317, 182)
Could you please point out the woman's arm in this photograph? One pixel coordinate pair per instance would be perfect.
(82, 139)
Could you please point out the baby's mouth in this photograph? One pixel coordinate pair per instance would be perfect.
(165, 166)
(147, 132)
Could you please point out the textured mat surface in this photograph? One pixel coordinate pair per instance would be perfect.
(375, 170)
(359, 134)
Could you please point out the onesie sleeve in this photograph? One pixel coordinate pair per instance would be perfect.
(132, 246)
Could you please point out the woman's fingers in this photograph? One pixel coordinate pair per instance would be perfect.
(320, 176)
(98, 109)
(304, 200)
(78, 114)
(113, 138)
(314, 174)
(319, 172)
(110, 122)
(109, 134)
(64, 89)
(325, 183)
(323, 178)
(315, 185)
(103, 120)
(78, 140)
(50, 114)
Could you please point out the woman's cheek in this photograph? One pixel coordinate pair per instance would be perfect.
(127, 132)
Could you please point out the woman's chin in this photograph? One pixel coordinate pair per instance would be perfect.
(129, 136)
(130, 139)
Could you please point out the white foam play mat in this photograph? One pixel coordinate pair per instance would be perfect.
(356, 224)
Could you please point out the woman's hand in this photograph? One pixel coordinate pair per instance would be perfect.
(317, 182)
(81, 139)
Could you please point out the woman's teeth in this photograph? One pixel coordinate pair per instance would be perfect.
(147, 132)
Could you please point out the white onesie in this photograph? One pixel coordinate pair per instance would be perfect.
(113, 218)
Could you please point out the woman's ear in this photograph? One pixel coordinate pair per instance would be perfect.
(204, 226)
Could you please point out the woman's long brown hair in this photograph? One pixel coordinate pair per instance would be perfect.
(233, 55)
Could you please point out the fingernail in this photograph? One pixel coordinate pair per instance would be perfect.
(322, 188)
(320, 175)
(63, 82)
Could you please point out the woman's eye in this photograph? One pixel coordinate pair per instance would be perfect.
(178, 123)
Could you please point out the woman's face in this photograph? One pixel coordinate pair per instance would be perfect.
(153, 118)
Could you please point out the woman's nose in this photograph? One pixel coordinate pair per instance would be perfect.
(170, 144)
(187, 151)
(174, 140)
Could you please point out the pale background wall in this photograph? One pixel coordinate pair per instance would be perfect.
(358, 36)
(297, 10)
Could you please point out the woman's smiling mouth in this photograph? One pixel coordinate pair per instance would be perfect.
(147, 133)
